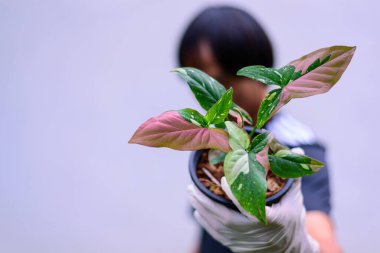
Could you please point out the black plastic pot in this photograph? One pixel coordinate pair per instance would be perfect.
(193, 162)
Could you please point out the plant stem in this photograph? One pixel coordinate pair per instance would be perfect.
(252, 132)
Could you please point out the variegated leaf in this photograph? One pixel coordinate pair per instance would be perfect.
(315, 73)
(219, 111)
(238, 138)
(206, 89)
(194, 117)
(171, 130)
(268, 106)
(320, 71)
(287, 164)
(246, 178)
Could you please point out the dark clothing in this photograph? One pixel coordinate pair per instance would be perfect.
(315, 188)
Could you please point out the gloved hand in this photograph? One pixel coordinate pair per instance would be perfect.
(241, 232)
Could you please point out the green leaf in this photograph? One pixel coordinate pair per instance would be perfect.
(246, 178)
(267, 107)
(286, 74)
(238, 138)
(219, 111)
(193, 116)
(206, 89)
(260, 141)
(220, 125)
(268, 76)
(287, 164)
(262, 74)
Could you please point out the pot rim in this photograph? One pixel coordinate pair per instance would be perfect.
(193, 162)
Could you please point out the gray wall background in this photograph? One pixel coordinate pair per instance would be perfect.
(78, 77)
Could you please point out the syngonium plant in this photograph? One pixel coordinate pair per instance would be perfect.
(247, 157)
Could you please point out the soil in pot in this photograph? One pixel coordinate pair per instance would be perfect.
(212, 182)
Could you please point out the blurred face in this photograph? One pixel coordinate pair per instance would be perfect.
(247, 93)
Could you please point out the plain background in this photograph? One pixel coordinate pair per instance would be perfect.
(78, 77)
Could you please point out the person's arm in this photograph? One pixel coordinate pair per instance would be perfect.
(317, 200)
(320, 227)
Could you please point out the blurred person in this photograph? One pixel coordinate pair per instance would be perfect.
(220, 41)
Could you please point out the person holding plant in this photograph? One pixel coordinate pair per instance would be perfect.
(220, 41)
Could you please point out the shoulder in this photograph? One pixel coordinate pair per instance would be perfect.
(289, 131)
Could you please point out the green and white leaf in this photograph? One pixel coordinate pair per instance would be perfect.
(260, 141)
(286, 74)
(262, 74)
(206, 89)
(287, 164)
(219, 111)
(237, 137)
(194, 117)
(268, 76)
(246, 178)
(268, 105)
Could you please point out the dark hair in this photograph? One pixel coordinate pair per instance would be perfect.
(235, 38)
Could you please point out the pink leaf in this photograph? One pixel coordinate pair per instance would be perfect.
(172, 131)
(322, 78)
(239, 118)
(238, 112)
(262, 156)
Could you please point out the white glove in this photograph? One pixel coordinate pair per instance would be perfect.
(285, 231)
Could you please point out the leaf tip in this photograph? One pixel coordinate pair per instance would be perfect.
(134, 139)
(175, 70)
(240, 72)
(180, 71)
(352, 49)
(262, 217)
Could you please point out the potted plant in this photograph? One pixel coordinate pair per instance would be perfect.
(256, 166)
